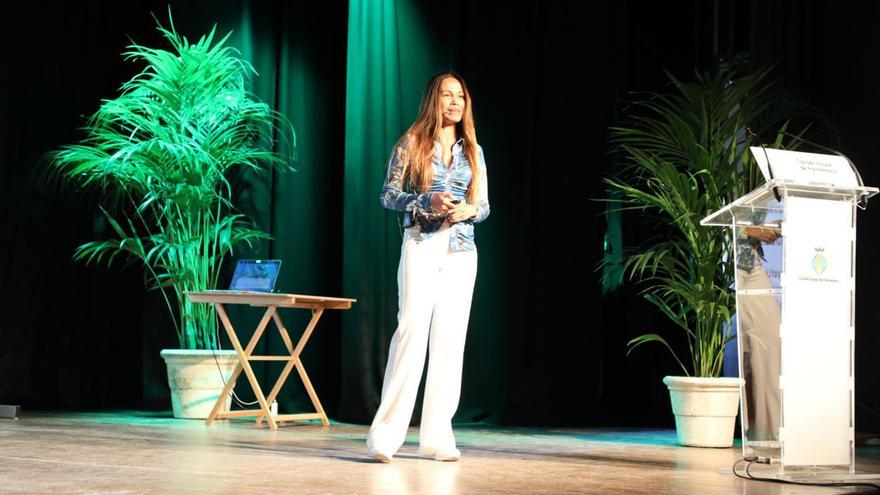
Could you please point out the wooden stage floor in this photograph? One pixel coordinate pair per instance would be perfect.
(138, 452)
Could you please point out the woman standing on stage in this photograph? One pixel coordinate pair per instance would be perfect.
(437, 177)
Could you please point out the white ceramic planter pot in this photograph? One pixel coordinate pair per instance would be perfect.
(705, 409)
(196, 378)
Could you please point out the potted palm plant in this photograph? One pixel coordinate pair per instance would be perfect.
(685, 155)
(160, 156)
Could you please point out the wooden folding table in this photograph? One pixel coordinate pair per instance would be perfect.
(271, 302)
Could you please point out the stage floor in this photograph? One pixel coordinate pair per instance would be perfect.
(136, 452)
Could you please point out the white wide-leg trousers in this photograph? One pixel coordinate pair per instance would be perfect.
(759, 318)
(435, 287)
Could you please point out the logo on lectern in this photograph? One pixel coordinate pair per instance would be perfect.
(820, 262)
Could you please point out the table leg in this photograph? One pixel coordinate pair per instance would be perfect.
(297, 362)
(243, 363)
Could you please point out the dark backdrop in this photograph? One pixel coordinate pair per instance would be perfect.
(546, 346)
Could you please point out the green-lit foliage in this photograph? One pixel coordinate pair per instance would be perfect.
(160, 155)
(686, 155)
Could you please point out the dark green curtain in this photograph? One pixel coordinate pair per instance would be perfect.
(544, 347)
(349, 75)
(539, 330)
(96, 344)
(389, 58)
(297, 50)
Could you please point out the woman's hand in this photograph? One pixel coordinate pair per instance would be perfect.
(765, 235)
(442, 201)
(462, 211)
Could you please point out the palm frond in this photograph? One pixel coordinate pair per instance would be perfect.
(685, 155)
(163, 149)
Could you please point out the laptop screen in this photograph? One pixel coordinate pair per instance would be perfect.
(255, 275)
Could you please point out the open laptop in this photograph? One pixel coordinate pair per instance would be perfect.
(254, 276)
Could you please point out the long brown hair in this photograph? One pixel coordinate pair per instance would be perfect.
(416, 147)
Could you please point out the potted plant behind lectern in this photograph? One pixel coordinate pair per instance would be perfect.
(160, 156)
(686, 155)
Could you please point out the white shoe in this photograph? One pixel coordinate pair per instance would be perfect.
(441, 455)
(379, 455)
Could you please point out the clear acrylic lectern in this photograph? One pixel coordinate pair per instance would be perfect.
(795, 320)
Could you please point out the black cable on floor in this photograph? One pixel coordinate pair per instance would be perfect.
(754, 460)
